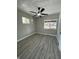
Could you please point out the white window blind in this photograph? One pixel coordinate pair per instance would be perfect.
(49, 24)
(25, 20)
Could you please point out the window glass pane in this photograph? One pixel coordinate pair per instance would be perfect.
(25, 20)
(49, 24)
(46, 25)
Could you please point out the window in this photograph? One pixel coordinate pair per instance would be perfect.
(25, 20)
(49, 24)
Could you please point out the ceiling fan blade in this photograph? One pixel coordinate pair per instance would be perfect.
(34, 15)
(40, 16)
(44, 14)
(39, 8)
(32, 11)
(42, 9)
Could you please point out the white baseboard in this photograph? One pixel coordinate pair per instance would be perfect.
(46, 34)
(25, 37)
(34, 33)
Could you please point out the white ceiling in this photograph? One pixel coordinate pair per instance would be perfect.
(51, 6)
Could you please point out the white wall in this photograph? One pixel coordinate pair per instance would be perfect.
(58, 31)
(24, 29)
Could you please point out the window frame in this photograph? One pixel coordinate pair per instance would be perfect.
(50, 27)
(25, 20)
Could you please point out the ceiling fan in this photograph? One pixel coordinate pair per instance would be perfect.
(39, 13)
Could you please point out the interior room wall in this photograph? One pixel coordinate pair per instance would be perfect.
(24, 29)
(59, 31)
(40, 24)
(37, 26)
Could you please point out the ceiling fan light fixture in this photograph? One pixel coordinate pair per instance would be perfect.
(38, 14)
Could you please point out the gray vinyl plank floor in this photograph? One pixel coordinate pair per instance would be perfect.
(38, 46)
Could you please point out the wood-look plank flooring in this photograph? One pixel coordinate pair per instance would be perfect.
(38, 47)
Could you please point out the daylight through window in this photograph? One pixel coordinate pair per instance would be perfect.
(49, 24)
(25, 20)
